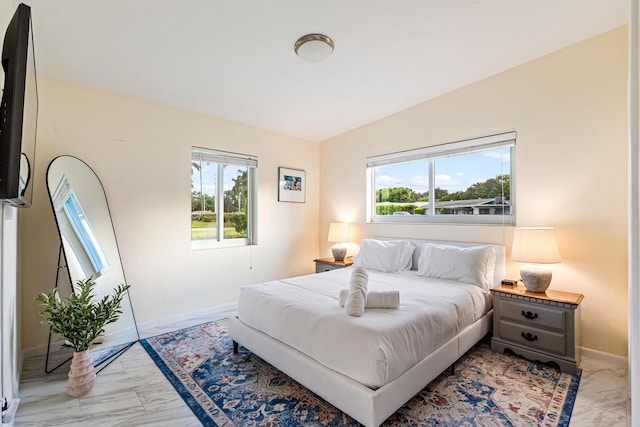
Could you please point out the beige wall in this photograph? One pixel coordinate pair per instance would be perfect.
(142, 154)
(569, 110)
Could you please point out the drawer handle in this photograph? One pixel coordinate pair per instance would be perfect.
(530, 315)
(529, 337)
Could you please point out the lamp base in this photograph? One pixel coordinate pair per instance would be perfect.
(339, 252)
(536, 277)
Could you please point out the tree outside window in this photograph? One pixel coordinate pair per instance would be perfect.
(449, 182)
(221, 187)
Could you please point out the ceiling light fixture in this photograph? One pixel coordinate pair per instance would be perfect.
(314, 47)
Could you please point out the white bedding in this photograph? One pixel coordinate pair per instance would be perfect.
(303, 312)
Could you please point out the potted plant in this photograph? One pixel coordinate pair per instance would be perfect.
(80, 319)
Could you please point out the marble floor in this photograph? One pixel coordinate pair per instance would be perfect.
(602, 395)
(131, 391)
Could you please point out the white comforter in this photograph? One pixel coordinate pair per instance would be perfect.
(376, 348)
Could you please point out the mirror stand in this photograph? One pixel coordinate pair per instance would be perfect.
(61, 264)
(98, 361)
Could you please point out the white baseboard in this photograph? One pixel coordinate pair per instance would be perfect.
(148, 329)
(9, 415)
(602, 356)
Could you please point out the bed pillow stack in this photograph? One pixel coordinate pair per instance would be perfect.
(473, 264)
(389, 256)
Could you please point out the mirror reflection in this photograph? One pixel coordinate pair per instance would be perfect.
(89, 244)
(25, 174)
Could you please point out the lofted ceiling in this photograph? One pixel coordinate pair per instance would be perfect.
(235, 59)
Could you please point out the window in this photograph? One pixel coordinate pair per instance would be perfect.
(467, 182)
(222, 198)
(77, 232)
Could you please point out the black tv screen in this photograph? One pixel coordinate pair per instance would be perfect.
(19, 111)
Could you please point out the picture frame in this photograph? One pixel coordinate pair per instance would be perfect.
(291, 185)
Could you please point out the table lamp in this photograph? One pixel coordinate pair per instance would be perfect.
(536, 246)
(338, 234)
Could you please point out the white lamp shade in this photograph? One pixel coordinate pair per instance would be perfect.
(338, 232)
(536, 245)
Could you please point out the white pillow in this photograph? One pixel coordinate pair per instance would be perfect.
(389, 256)
(472, 264)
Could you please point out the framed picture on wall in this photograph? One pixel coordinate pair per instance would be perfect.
(291, 185)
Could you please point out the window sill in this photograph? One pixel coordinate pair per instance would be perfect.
(197, 245)
(446, 219)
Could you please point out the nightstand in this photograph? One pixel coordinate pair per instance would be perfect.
(538, 326)
(328, 264)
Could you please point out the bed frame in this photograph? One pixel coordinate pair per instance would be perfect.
(369, 407)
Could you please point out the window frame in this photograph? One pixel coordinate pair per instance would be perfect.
(431, 154)
(222, 159)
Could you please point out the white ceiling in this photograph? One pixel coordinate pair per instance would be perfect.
(234, 59)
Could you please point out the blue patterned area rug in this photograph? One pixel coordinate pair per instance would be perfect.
(226, 389)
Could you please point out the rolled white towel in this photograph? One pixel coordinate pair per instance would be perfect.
(375, 299)
(357, 297)
(383, 299)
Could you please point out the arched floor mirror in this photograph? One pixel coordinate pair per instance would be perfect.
(88, 248)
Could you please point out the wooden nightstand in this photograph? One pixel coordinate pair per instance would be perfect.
(328, 264)
(544, 327)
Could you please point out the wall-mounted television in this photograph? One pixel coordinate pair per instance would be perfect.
(19, 111)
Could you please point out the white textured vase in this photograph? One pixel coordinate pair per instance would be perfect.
(536, 277)
(82, 375)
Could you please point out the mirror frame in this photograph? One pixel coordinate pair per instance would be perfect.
(110, 352)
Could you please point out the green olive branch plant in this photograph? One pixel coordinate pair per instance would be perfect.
(80, 319)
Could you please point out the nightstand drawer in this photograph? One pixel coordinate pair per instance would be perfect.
(321, 267)
(534, 315)
(533, 337)
(328, 264)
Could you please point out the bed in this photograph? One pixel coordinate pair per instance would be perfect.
(369, 366)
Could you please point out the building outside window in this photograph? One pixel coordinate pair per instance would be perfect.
(223, 198)
(469, 181)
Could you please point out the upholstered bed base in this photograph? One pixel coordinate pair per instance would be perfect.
(369, 407)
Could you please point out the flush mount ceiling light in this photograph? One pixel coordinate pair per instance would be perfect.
(314, 47)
